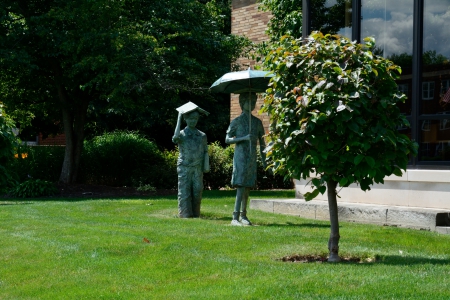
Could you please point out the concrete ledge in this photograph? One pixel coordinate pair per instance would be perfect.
(415, 188)
(408, 217)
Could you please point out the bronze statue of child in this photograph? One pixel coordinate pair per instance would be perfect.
(193, 161)
(245, 135)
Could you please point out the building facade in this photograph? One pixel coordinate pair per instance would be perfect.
(415, 34)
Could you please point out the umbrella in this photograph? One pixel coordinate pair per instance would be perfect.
(241, 82)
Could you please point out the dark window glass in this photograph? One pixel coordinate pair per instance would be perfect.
(434, 139)
(436, 56)
(434, 105)
(332, 16)
(391, 24)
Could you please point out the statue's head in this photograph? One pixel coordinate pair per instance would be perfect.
(191, 118)
(247, 99)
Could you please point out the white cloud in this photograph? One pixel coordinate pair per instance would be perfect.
(393, 31)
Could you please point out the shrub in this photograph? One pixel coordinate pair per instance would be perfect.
(167, 170)
(221, 167)
(8, 142)
(121, 159)
(38, 162)
(221, 163)
(266, 180)
(34, 188)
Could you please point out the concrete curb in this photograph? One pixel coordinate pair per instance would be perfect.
(408, 217)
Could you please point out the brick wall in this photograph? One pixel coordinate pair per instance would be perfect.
(57, 140)
(248, 21)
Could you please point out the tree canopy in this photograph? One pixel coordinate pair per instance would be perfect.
(124, 62)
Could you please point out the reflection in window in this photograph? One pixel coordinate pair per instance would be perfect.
(332, 16)
(403, 88)
(426, 125)
(436, 58)
(435, 143)
(444, 124)
(391, 23)
(445, 85)
(428, 90)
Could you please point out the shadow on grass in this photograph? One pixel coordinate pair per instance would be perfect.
(214, 217)
(289, 224)
(404, 260)
(81, 199)
(266, 194)
(12, 202)
(389, 260)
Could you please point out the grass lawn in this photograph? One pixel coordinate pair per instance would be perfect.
(139, 249)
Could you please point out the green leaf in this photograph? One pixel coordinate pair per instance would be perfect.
(343, 181)
(370, 161)
(358, 159)
(322, 189)
(398, 172)
(311, 195)
(338, 70)
(353, 126)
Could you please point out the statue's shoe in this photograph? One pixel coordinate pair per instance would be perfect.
(236, 223)
(246, 222)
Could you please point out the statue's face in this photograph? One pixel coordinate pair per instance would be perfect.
(248, 105)
(191, 120)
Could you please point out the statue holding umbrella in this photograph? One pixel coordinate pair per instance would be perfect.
(244, 131)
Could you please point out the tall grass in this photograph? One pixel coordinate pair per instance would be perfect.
(139, 249)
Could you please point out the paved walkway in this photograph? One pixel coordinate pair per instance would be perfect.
(409, 217)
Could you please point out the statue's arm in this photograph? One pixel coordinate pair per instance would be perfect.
(262, 145)
(206, 158)
(234, 140)
(176, 135)
(231, 135)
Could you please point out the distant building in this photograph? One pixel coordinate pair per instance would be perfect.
(416, 35)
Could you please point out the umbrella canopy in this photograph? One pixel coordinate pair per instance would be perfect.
(242, 81)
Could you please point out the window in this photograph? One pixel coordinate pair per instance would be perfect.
(445, 85)
(403, 88)
(444, 124)
(428, 90)
(426, 125)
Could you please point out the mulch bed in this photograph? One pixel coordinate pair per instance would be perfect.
(322, 259)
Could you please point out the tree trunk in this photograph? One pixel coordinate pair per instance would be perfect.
(333, 242)
(74, 130)
(74, 118)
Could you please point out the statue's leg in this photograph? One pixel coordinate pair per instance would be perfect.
(197, 191)
(237, 205)
(244, 219)
(184, 193)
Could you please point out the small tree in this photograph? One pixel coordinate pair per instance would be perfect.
(333, 111)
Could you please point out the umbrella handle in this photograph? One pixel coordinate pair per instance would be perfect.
(250, 119)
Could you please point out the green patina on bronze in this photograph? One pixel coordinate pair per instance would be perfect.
(245, 135)
(192, 162)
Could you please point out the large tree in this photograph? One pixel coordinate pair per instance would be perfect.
(66, 61)
(334, 117)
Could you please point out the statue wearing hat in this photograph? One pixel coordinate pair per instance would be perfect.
(193, 160)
